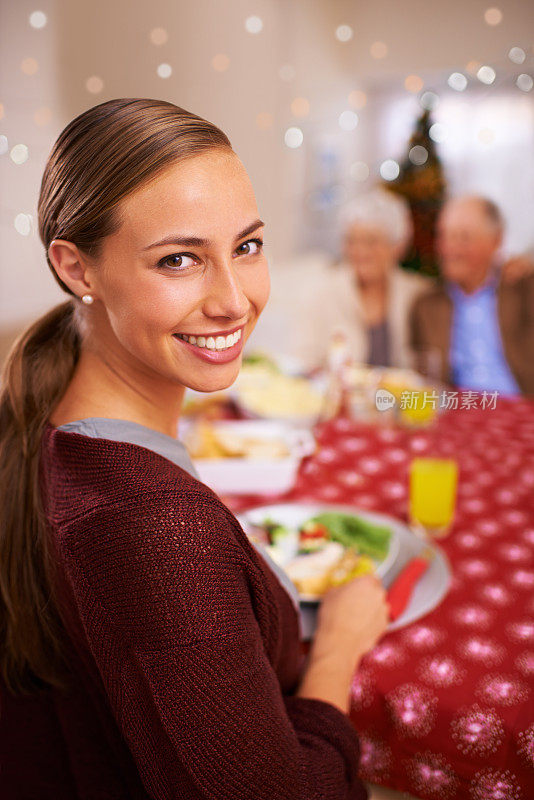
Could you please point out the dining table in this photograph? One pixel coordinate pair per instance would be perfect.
(444, 706)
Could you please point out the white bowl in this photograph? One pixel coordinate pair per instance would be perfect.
(255, 476)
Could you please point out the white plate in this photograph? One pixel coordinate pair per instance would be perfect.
(429, 591)
(294, 514)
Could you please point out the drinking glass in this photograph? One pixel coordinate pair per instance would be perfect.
(433, 483)
(421, 409)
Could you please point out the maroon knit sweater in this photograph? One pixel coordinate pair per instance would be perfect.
(183, 645)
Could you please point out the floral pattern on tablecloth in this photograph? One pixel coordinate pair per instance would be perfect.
(445, 707)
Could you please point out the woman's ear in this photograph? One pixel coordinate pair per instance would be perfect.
(70, 266)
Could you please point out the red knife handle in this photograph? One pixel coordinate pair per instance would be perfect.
(401, 589)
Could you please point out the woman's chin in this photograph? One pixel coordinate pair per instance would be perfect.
(216, 382)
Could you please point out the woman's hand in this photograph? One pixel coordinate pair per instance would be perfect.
(352, 618)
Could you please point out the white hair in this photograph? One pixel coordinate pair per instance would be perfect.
(382, 210)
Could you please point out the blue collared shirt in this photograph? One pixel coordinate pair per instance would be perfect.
(476, 352)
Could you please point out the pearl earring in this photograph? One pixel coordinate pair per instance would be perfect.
(87, 299)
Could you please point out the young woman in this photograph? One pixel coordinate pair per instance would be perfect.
(148, 650)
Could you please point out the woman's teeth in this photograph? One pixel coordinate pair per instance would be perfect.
(213, 342)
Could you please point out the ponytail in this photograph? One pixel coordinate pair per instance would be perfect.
(36, 375)
(100, 158)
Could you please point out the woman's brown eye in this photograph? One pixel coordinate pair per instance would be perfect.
(250, 247)
(177, 261)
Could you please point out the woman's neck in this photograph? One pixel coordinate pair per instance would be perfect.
(98, 390)
(374, 301)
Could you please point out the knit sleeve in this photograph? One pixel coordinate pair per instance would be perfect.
(164, 599)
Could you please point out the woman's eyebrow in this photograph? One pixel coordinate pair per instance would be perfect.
(195, 241)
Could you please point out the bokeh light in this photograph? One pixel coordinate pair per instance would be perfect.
(37, 19)
(4, 145)
(253, 24)
(23, 224)
(344, 33)
(287, 72)
(413, 83)
(357, 98)
(486, 75)
(164, 70)
(472, 67)
(517, 55)
(418, 155)
(359, 171)
(42, 116)
(438, 132)
(379, 50)
(493, 16)
(293, 137)
(457, 81)
(94, 84)
(19, 154)
(220, 62)
(29, 66)
(264, 120)
(524, 82)
(348, 120)
(158, 36)
(389, 170)
(2, 111)
(429, 100)
(300, 107)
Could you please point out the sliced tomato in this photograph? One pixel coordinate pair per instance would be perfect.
(314, 530)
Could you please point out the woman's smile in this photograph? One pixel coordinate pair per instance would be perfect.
(216, 347)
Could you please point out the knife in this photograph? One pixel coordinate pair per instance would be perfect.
(401, 590)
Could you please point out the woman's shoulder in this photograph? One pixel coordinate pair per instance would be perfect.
(412, 280)
(82, 475)
(107, 499)
(137, 532)
(409, 286)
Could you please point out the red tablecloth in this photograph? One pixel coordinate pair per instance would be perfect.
(445, 707)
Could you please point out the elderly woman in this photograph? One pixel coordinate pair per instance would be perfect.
(366, 296)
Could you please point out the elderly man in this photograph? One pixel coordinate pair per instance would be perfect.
(481, 326)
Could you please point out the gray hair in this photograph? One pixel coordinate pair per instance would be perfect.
(382, 210)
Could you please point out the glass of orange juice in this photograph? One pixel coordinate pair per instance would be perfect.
(433, 483)
(420, 409)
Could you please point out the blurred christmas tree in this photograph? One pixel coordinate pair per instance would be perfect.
(421, 182)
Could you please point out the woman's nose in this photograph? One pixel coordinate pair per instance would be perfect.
(225, 296)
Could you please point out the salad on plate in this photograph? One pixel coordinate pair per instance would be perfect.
(324, 550)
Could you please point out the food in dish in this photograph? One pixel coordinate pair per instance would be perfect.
(206, 441)
(326, 550)
(266, 392)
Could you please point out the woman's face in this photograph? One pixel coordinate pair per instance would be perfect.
(180, 286)
(369, 252)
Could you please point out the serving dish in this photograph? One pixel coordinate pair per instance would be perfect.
(254, 475)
